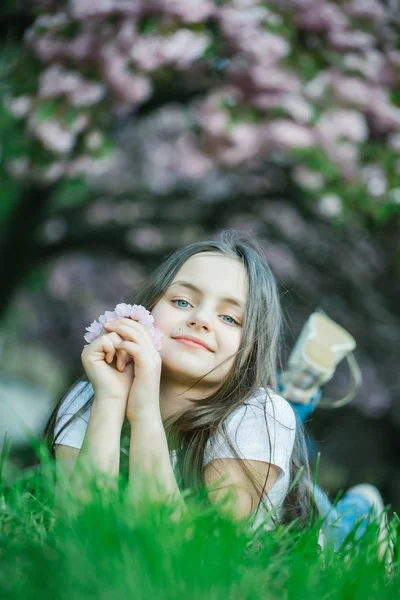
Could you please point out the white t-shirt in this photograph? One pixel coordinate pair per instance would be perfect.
(246, 428)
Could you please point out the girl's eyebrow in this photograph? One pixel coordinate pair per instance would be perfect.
(194, 288)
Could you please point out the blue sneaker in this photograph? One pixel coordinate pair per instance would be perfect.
(366, 492)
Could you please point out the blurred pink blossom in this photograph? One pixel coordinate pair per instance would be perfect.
(330, 205)
(351, 40)
(87, 94)
(132, 88)
(342, 123)
(375, 178)
(194, 11)
(370, 9)
(297, 107)
(321, 17)
(394, 57)
(252, 68)
(94, 140)
(316, 87)
(244, 30)
(212, 115)
(88, 165)
(181, 49)
(56, 81)
(310, 180)
(18, 106)
(47, 47)
(191, 161)
(84, 46)
(126, 35)
(244, 143)
(370, 64)
(394, 141)
(285, 135)
(353, 90)
(384, 115)
(345, 155)
(82, 9)
(53, 135)
(274, 79)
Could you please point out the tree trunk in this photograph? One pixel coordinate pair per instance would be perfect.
(18, 248)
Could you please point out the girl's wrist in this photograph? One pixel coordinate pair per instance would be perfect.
(147, 416)
(109, 407)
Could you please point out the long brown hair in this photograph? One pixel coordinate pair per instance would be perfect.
(254, 367)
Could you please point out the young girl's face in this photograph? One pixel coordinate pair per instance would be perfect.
(206, 301)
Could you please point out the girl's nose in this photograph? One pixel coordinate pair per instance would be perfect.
(200, 318)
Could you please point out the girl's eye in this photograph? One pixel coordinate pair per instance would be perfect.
(232, 320)
(180, 300)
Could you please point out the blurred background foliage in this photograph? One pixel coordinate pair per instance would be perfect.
(130, 128)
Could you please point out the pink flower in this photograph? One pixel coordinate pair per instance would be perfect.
(194, 11)
(245, 31)
(274, 80)
(140, 314)
(56, 81)
(352, 89)
(371, 64)
(351, 40)
(311, 180)
(346, 123)
(94, 330)
(87, 94)
(284, 135)
(245, 143)
(321, 17)
(136, 312)
(345, 155)
(18, 106)
(182, 49)
(53, 135)
(129, 87)
(297, 107)
(82, 9)
(108, 316)
(366, 9)
(90, 166)
(212, 115)
(157, 337)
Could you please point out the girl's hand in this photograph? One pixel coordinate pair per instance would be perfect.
(144, 393)
(108, 382)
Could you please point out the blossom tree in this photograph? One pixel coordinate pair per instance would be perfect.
(310, 83)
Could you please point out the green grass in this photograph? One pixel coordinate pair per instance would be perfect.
(112, 546)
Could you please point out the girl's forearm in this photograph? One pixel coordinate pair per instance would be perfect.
(149, 456)
(101, 444)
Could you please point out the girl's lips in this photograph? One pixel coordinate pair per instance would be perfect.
(191, 344)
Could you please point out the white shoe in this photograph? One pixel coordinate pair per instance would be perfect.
(320, 347)
(385, 537)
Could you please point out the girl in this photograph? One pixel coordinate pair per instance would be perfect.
(205, 408)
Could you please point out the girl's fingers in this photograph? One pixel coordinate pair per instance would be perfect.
(121, 359)
(110, 343)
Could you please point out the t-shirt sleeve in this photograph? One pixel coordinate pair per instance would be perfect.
(74, 433)
(261, 430)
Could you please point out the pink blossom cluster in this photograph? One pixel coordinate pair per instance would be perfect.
(136, 312)
(330, 93)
